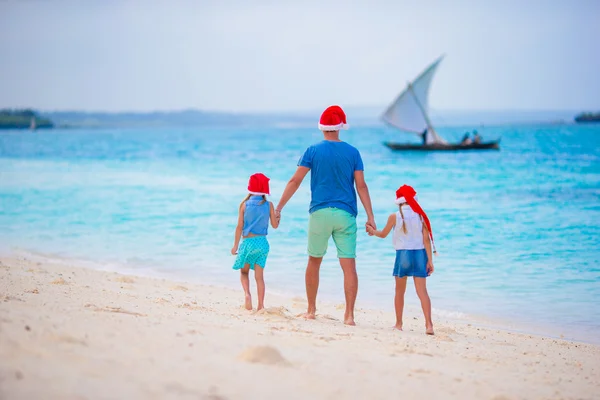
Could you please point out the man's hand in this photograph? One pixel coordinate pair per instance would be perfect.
(370, 230)
(371, 223)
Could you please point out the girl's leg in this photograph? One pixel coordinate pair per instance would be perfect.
(260, 286)
(399, 301)
(420, 286)
(246, 285)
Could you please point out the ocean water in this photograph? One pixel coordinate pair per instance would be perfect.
(517, 230)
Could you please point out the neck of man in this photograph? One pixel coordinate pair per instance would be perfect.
(332, 136)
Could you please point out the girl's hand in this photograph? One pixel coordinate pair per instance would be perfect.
(429, 268)
(234, 250)
(370, 230)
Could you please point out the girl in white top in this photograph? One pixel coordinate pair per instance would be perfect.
(413, 242)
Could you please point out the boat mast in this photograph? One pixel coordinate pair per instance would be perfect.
(429, 126)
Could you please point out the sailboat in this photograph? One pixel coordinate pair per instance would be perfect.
(410, 113)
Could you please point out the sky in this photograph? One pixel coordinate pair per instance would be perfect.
(264, 56)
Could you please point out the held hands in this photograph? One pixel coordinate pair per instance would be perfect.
(429, 268)
(370, 230)
(371, 226)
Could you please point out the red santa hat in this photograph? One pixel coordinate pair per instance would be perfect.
(406, 194)
(259, 185)
(333, 119)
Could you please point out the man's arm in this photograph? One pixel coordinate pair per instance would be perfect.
(365, 198)
(291, 187)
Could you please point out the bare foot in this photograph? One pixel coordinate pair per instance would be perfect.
(260, 307)
(429, 330)
(307, 315)
(349, 321)
(398, 326)
(248, 303)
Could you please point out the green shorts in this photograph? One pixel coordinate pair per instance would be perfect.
(336, 223)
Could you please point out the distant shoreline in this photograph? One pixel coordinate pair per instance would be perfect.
(358, 116)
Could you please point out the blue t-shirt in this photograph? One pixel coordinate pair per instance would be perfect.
(332, 166)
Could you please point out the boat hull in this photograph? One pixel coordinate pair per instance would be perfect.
(443, 147)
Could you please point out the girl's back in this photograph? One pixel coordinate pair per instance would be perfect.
(256, 216)
(408, 232)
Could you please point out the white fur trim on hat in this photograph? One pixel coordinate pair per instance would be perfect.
(259, 194)
(337, 127)
(401, 200)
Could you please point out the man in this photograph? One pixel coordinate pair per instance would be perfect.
(424, 136)
(476, 137)
(335, 168)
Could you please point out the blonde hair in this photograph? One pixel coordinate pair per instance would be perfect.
(264, 199)
(402, 215)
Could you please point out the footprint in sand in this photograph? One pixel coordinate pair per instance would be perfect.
(180, 288)
(445, 329)
(420, 371)
(326, 339)
(124, 279)
(274, 312)
(263, 355)
(117, 310)
(70, 339)
(329, 317)
(59, 281)
(192, 306)
(443, 338)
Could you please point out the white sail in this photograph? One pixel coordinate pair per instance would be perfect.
(409, 112)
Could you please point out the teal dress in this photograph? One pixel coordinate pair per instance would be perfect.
(254, 250)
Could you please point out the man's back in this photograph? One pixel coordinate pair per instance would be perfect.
(332, 166)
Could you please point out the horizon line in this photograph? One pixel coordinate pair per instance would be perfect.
(283, 112)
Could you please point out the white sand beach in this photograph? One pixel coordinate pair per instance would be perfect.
(68, 332)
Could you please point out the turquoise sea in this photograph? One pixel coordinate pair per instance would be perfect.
(518, 231)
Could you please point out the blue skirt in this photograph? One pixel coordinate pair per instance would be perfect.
(411, 263)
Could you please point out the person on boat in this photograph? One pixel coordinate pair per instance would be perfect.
(476, 137)
(336, 168)
(466, 140)
(424, 135)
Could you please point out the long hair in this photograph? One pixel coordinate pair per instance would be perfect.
(402, 215)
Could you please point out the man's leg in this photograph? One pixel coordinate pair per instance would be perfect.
(350, 288)
(319, 232)
(312, 285)
(344, 236)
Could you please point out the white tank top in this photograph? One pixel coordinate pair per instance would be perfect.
(413, 238)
